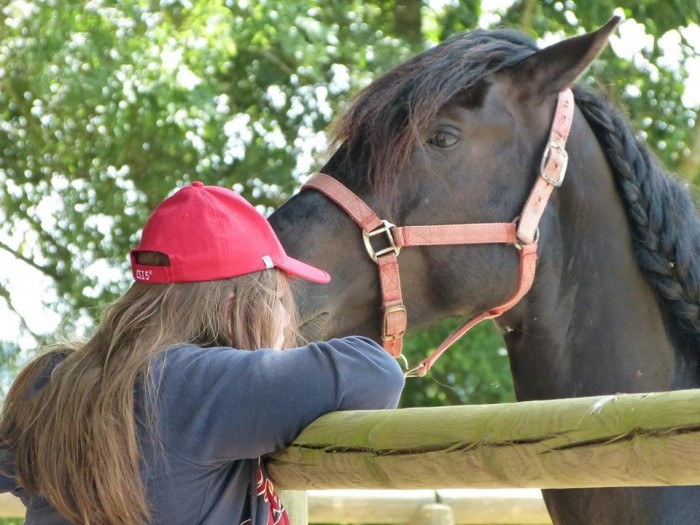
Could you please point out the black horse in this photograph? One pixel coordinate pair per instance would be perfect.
(456, 135)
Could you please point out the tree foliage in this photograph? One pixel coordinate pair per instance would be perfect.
(106, 107)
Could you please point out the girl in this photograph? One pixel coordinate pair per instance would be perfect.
(163, 414)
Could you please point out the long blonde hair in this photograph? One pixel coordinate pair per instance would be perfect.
(76, 440)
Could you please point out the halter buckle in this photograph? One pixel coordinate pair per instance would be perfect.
(390, 311)
(554, 152)
(386, 229)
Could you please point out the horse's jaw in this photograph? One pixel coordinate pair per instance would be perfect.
(314, 328)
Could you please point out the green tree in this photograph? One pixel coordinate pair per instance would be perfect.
(106, 107)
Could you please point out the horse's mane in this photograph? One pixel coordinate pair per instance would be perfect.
(379, 129)
(382, 125)
(662, 215)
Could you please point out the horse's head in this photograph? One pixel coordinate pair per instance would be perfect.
(455, 135)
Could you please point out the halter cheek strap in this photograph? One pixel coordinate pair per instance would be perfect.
(522, 234)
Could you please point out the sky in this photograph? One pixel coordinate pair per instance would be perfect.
(30, 290)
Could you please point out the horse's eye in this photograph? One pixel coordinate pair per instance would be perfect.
(443, 139)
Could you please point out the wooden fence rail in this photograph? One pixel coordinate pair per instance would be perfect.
(609, 441)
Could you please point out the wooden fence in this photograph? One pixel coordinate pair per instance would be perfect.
(608, 441)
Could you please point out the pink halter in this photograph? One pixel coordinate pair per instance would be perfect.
(521, 233)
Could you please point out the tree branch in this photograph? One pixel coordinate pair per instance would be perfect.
(407, 21)
(528, 12)
(43, 269)
(61, 251)
(5, 294)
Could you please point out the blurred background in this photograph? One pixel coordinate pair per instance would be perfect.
(107, 106)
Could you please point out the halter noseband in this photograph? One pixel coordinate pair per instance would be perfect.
(522, 233)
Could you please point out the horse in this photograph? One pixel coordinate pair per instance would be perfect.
(457, 135)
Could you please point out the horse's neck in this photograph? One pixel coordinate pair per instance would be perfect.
(591, 324)
(601, 334)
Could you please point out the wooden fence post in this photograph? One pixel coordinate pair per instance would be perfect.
(434, 514)
(296, 503)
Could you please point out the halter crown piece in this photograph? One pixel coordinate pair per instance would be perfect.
(522, 233)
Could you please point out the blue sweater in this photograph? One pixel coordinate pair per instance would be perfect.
(220, 409)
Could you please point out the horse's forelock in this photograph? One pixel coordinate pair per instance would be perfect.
(383, 123)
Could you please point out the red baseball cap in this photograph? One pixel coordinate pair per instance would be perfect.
(212, 233)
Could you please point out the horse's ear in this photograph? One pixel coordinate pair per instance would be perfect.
(558, 66)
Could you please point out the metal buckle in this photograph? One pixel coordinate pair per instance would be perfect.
(384, 228)
(564, 159)
(387, 312)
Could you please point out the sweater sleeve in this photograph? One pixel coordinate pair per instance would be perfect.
(221, 404)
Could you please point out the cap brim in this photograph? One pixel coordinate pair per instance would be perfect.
(300, 269)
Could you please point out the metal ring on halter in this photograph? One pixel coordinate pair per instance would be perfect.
(517, 245)
(385, 228)
(413, 372)
(536, 238)
(405, 361)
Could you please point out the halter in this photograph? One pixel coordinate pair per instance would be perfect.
(522, 233)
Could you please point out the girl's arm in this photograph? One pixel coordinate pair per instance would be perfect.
(221, 404)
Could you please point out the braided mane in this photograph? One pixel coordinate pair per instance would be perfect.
(663, 219)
